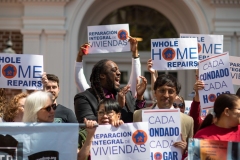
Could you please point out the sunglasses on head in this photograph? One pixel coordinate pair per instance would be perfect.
(180, 105)
(48, 108)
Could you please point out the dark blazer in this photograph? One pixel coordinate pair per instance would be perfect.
(86, 103)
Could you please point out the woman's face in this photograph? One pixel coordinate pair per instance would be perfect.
(234, 115)
(46, 113)
(178, 103)
(107, 117)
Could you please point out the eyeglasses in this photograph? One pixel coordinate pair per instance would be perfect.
(48, 108)
(180, 105)
(108, 113)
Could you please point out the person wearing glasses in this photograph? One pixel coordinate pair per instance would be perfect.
(62, 113)
(179, 103)
(13, 111)
(39, 107)
(108, 112)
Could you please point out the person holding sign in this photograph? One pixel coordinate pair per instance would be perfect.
(166, 88)
(109, 112)
(39, 107)
(80, 78)
(226, 127)
(105, 78)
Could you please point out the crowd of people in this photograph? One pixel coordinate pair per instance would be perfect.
(104, 102)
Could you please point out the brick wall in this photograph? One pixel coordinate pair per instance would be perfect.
(17, 40)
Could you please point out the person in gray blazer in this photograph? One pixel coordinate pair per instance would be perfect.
(166, 88)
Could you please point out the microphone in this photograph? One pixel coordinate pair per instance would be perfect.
(83, 125)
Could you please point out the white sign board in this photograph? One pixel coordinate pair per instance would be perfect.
(207, 44)
(235, 69)
(38, 141)
(174, 54)
(108, 38)
(215, 73)
(128, 141)
(21, 71)
(164, 129)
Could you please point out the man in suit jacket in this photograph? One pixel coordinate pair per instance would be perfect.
(166, 88)
(105, 83)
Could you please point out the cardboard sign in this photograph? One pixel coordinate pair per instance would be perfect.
(216, 75)
(21, 71)
(164, 129)
(207, 44)
(108, 38)
(128, 141)
(174, 53)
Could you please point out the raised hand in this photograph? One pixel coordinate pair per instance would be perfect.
(149, 66)
(141, 87)
(83, 50)
(134, 46)
(121, 95)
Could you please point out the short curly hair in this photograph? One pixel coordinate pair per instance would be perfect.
(12, 108)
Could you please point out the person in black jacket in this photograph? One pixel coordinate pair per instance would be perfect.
(105, 83)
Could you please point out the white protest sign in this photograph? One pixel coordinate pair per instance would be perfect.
(21, 71)
(215, 73)
(108, 38)
(235, 69)
(128, 141)
(164, 129)
(207, 44)
(38, 141)
(174, 53)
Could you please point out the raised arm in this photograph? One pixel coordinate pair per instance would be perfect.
(154, 74)
(136, 65)
(80, 79)
(195, 109)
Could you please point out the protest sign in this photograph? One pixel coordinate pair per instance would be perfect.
(216, 75)
(174, 53)
(128, 141)
(207, 44)
(187, 106)
(199, 149)
(21, 71)
(164, 129)
(43, 141)
(235, 69)
(108, 38)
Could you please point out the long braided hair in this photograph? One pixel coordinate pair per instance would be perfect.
(99, 68)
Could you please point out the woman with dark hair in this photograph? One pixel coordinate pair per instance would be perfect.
(226, 127)
(109, 112)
